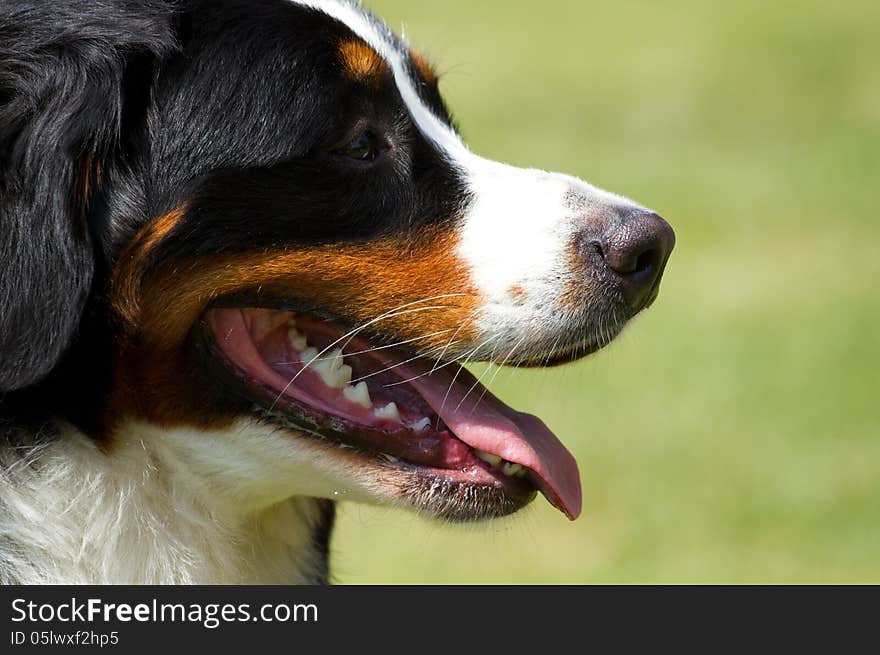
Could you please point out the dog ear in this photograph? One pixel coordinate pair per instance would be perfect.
(63, 90)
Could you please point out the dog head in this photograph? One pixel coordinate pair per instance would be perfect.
(263, 218)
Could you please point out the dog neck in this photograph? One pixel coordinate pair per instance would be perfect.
(139, 513)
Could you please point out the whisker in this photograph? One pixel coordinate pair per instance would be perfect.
(421, 375)
(429, 299)
(393, 366)
(476, 383)
(437, 365)
(497, 371)
(389, 314)
(399, 343)
(550, 353)
(467, 320)
(370, 350)
(465, 357)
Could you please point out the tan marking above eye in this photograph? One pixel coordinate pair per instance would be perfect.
(361, 62)
(424, 68)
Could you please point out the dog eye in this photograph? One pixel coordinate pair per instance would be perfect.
(366, 146)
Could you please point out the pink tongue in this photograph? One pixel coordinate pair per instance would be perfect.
(493, 427)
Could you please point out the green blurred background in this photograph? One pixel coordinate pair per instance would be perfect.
(732, 434)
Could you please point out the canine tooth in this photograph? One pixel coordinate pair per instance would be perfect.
(494, 460)
(308, 355)
(335, 378)
(343, 375)
(512, 469)
(334, 359)
(297, 339)
(358, 394)
(389, 412)
(422, 425)
(333, 372)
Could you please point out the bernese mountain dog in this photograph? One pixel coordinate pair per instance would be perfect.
(245, 253)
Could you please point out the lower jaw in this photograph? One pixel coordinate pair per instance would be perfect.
(560, 359)
(473, 492)
(455, 495)
(442, 496)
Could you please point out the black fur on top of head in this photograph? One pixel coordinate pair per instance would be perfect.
(64, 105)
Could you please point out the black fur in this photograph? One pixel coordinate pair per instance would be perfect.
(235, 107)
(63, 90)
(321, 540)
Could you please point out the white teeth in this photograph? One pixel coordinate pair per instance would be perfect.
(510, 469)
(330, 367)
(494, 460)
(343, 375)
(334, 378)
(358, 394)
(333, 372)
(513, 470)
(308, 355)
(422, 425)
(334, 359)
(388, 413)
(297, 339)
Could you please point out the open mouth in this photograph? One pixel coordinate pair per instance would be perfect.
(418, 413)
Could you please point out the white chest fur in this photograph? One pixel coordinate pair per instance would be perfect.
(72, 514)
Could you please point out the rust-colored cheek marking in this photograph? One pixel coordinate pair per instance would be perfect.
(362, 63)
(356, 282)
(159, 376)
(158, 384)
(132, 264)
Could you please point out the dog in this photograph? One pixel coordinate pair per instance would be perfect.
(245, 253)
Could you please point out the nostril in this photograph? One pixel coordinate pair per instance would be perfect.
(636, 251)
(626, 261)
(641, 242)
(646, 261)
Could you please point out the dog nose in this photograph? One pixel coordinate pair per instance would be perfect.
(636, 250)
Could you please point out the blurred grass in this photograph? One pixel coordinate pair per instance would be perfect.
(733, 433)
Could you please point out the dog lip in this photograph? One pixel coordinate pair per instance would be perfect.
(570, 355)
(510, 494)
(418, 449)
(485, 424)
(434, 446)
(504, 494)
(574, 355)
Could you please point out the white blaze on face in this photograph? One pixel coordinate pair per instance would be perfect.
(517, 238)
(519, 224)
